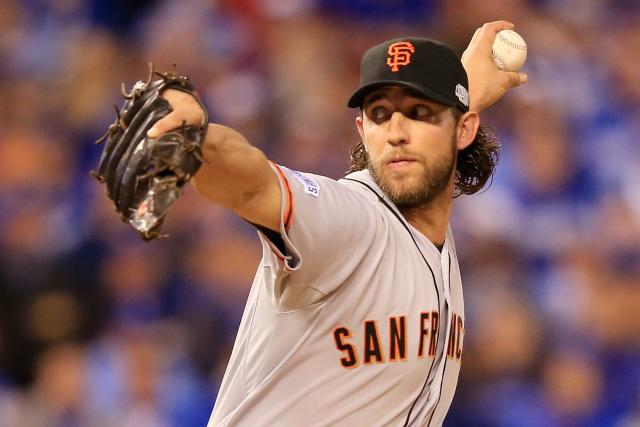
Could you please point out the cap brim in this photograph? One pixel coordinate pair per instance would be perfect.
(358, 96)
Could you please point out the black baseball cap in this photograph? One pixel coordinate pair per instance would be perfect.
(429, 67)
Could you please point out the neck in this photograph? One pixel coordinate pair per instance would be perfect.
(432, 219)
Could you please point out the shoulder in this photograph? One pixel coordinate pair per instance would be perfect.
(323, 187)
(362, 183)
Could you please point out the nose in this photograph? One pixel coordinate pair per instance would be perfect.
(397, 133)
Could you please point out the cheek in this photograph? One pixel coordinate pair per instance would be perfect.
(437, 141)
(374, 140)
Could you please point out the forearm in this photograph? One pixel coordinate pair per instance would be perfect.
(238, 176)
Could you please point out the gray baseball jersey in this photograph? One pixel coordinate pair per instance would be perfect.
(354, 318)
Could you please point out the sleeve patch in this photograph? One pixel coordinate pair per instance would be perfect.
(310, 185)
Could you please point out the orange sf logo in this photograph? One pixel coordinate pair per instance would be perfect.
(399, 54)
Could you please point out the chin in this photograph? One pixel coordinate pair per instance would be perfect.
(412, 188)
(409, 193)
(411, 199)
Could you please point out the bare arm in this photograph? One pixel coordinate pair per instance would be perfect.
(235, 174)
(487, 83)
(238, 176)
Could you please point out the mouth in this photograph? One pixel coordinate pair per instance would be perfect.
(400, 163)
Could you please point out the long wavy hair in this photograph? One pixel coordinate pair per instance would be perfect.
(474, 167)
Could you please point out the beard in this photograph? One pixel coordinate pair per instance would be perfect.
(430, 183)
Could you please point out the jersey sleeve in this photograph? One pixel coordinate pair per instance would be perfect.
(326, 229)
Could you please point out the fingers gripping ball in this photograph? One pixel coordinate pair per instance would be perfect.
(144, 176)
(509, 50)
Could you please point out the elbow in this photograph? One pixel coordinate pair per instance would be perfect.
(233, 170)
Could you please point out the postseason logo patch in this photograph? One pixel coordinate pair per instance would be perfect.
(462, 94)
(310, 186)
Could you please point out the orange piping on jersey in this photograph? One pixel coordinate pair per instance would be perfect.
(288, 212)
(354, 350)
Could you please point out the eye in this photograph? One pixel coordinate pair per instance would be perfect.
(379, 114)
(421, 112)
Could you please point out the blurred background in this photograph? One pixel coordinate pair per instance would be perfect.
(99, 329)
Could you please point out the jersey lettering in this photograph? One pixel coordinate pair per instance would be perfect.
(453, 347)
(372, 345)
(452, 336)
(350, 359)
(433, 338)
(460, 328)
(424, 332)
(397, 339)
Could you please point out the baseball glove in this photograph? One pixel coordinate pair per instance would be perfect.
(143, 175)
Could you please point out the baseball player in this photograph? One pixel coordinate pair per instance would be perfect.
(356, 314)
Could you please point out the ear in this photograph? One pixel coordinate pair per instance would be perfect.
(467, 129)
(360, 128)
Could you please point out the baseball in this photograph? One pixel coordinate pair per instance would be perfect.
(509, 50)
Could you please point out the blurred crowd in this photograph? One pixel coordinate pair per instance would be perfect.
(98, 328)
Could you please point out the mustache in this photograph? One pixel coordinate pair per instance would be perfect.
(399, 154)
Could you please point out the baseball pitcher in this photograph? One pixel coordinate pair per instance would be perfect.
(356, 313)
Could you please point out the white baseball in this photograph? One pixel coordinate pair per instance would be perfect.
(509, 50)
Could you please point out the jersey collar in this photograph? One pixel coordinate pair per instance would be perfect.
(364, 177)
